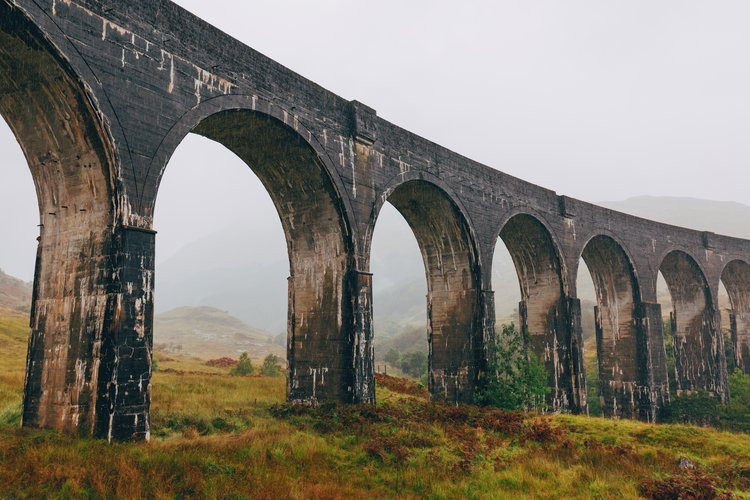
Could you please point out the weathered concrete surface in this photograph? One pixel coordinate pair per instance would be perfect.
(619, 350)
(736, 279)
(698, 343)
(545, 316)
(454, 329)
(100, 95)
(70, 160)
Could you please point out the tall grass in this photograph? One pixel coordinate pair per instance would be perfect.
(216, 435)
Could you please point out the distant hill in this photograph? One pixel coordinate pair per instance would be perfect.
(413, 338)
(15, 294)
(721, 217)
(208, 333)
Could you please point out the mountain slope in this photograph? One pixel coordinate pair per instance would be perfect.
(15, 295)
(207, 332)
(721, 217)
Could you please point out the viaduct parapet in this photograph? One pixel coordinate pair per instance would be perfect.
(99, 96)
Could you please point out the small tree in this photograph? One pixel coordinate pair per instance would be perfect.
(515, 379)
(271, 366)
(414, 363)
(244, 366)
(392, 357)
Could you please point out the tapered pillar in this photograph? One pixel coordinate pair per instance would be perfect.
(740, 330)
(362, 337)
(329, 350)
(574, 374)
(560, 347)
(654, 394)
(89, 360)
(124, 383)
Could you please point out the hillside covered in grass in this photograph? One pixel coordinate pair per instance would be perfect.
(217, 435)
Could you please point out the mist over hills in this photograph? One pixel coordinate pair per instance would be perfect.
(720, 217)
(244, 272)
(236, 278)
(208, 332)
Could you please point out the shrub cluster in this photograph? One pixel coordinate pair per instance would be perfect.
(271, 366)
(515, 378)
(413, 363)
(704, 409)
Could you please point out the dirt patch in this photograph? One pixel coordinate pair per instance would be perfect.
(401, 385)
(221, 362)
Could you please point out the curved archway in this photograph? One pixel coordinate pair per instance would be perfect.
(72, 162)
(736, 279)
(620, 350)
(543, 311)
(449, 254)
(320, 347)
(697, 340)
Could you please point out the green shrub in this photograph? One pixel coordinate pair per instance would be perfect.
(271, 366)
(699, 408)
(515, 379)
(735, 415)
(729, 352)
(592, 387)
(244, 366)
(704, 409)
(392, 357)
(414, 364)
(669, 351)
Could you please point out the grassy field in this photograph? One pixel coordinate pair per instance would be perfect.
(215, 435)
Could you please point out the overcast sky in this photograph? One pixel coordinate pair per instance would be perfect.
(600, 100)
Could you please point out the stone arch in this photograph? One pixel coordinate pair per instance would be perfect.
(73, 164)
(238, 102)
(544, 310)
(621, 351)
(320, 347)
(451, 259)
(736, 279)
(698, 345)
(414, 176)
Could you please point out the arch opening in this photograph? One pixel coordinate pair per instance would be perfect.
(736, 282)
(220, 280)
(319, 317)
(585, 291)
(18, 222)
(454, 330)
(72, 163)
(696, 337)
(544, 316)
(399, 298)
(664, 299)
(621, 353)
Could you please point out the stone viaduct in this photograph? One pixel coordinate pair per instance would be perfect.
(100, 93)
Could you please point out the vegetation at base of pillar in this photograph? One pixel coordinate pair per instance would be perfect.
(592, 383)
(244, 366)
(271, 366)
(703, 409)
(669, 351)
(515, 378)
